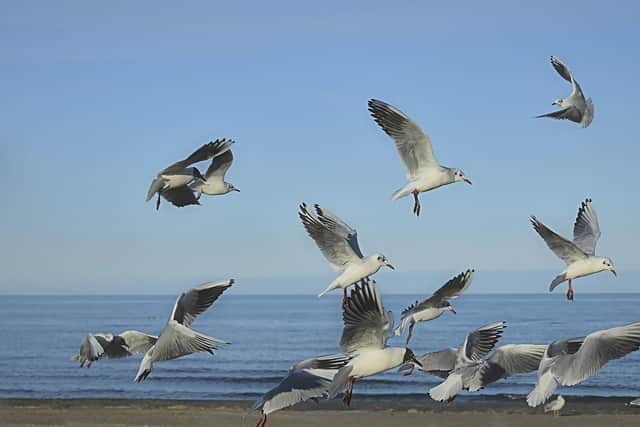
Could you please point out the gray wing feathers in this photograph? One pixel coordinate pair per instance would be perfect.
(220, 165)
(563, 248)
(339, 227)
(331, 361)
(178, 340)
(481, 341)
(569, 113)
(194, 302)
(335, 247)
(518, 358)
(138, 342)
(364, 318)
(561, 68)
(412, 142)
(586, 230)
(298, 386)
(439, 363)
(450, 290)
(597, 349)
(205, 152)
(180, 196)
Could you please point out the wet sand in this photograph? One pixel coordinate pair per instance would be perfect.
(579, 412)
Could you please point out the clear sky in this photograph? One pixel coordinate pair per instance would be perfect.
(96, 98)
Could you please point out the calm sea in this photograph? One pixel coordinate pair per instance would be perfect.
(38, 334)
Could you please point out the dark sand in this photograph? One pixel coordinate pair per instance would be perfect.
(579, 412)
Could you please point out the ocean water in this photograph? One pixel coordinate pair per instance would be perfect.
(38, 335)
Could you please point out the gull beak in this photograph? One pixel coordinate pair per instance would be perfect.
(451, 309)
(416, 361)
(235, 189)
(614, 272)
(390, 266)
(468, 181)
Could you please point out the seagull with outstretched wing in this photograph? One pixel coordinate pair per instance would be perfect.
(574, 107)
(433, 307)
(580, 254)
(571, 361)
(338, 242)
(172, 183)
(423, 171)
(127, 343)
(177, 338)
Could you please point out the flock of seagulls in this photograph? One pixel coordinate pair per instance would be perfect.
(363, 350)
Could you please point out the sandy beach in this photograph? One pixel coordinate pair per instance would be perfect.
(114, 412)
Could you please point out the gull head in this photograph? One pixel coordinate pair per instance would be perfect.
(410, 357)
(607, 264)
(458, 175)
(230, 187)
(445, 306)
(560, 102)
(383, 262)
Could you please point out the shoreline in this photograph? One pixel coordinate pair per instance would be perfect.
(579, 411)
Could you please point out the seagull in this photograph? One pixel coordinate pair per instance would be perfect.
(575, 107)
(469, 366)
(571, 361)
(434, 306)
(177, 338)
(579, 255)
(555, 406)
(309, 379)
(339, 244)
(214, 183)
(127, 343)
(634, 402)
(474, 374)
(172, 182)
(422, 169)
(366, 329)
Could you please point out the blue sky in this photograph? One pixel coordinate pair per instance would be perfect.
(99, 97)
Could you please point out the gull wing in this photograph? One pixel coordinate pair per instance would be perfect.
(205, 152)
(180, 196)
(480, 342)
(563, 248)
(586, 230)
(413, 144)
(365, 320)
(450, 290)
(194, 302)
(329, 236)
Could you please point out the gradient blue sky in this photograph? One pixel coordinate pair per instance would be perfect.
(96, 98)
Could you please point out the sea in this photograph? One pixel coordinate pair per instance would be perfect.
(39, 334)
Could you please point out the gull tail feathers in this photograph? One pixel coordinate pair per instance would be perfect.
(559, 279)
(544, 388)
(447, 389)
(339, 381)
(329, 289)
(403, 192)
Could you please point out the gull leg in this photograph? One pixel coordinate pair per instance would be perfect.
(263, 420)
(199, 195)
(450, 400)
(410, 332)
(158, 202)
(410, 371)
(82, 364)
(344, 297)
(570, 292)
(348, 392)
(89, 364)
(416, 203)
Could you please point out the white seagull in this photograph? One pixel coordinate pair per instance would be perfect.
(433, 307)
(339, 244)
(571, 361)
(555, 406)
(422, 169)
(177, 338)
(127, 343)
(172, 182)
(309, 379)
(366, 329)
(579, 254)
(465, 368)
(214, 183)
(575, 107)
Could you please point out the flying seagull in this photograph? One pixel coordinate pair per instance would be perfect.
(214, 183)
(571, 361)
(172, 182)
(433, 307)
(575, 107)
(414, 146)
(306, 380)
(579, 254)
(127, 343)
(474, 374)
(339, 244)
(177, 338)
(555, 406)
(366, 329)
